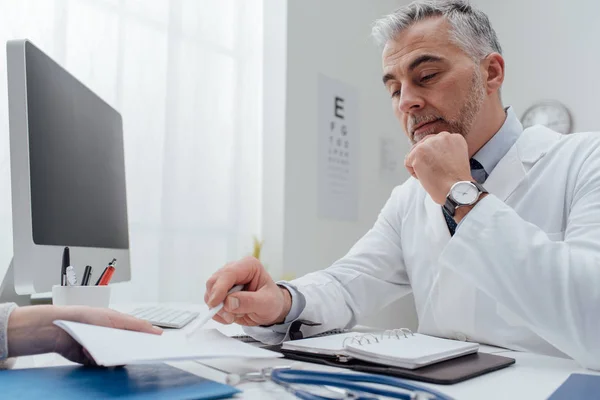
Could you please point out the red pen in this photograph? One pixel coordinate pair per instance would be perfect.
(107, 273)
(110, 270)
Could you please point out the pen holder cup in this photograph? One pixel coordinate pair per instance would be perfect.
(93, 296)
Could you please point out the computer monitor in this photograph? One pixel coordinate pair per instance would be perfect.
(67, 174)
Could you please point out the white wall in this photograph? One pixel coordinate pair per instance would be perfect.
(332, 38)
(273, 122)
(551, 52)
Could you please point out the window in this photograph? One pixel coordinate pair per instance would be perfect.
(186, 76)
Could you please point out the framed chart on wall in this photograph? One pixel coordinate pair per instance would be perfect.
(338, 150)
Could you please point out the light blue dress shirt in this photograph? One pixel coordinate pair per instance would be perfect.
(488, 156)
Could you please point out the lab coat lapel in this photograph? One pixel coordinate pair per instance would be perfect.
(507, 175)
(437, 228)
(531, 146)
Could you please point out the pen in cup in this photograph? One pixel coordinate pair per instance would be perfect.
(110, 267)
(66, 261)
(71, 276)
(107, 276)
(85, 281)
(213, 311)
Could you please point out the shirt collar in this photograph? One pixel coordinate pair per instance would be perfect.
(496, 148)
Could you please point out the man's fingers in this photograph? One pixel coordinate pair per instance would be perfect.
(211, 281)
(245, 320)
(209, 284)
(408, 160)
(240, 319)
(220, 320)
(426, 138)
(226, 316)
(247, 302)
(241, 272)
(224, 282)
(408, 164)
(413, 154)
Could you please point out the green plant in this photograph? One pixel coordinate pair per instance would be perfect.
(257, 248)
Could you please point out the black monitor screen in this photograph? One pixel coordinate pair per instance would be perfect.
(76, 159)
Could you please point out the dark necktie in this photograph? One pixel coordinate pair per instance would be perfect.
(480, 175)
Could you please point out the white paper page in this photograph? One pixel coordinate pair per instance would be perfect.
(320, 345)
(111, 347)
(230, 330)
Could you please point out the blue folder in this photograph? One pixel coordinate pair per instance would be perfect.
(578, 386)
(144, 381)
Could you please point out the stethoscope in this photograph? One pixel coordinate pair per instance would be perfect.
(350, 385)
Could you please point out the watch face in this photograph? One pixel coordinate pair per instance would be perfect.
(465, 193)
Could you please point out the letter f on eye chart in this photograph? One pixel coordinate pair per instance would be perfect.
(212, 312)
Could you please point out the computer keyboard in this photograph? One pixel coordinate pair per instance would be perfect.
(165, 317)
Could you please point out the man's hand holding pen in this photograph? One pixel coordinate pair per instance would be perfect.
(261, 303)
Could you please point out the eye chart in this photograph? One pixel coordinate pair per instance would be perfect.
(391, 160)
(338, 150)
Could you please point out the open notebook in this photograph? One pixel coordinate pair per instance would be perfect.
(399, 348)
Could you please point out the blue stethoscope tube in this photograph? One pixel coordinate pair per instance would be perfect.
(286, 377)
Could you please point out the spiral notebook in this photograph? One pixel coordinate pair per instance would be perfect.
(399, 348)
(249, 339)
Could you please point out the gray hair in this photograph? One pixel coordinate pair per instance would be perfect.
(471, 28)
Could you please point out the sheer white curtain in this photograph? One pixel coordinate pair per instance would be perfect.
(186, 76)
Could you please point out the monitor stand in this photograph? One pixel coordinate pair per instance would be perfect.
(9, 295)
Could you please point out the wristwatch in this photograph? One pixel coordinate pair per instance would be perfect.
(463, 193)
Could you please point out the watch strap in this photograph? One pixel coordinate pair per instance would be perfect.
(480, 187)
(450, 206)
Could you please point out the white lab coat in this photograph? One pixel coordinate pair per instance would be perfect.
(521, 272)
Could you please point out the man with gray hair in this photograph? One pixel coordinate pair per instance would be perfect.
(497, 232)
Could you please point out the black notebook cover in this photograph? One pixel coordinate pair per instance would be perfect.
(443, 373)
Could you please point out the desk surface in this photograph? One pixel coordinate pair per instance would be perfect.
(532, 377)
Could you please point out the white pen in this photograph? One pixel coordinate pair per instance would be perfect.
(213, 311)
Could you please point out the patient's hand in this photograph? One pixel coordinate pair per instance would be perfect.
(261, 303)
(31, 329)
